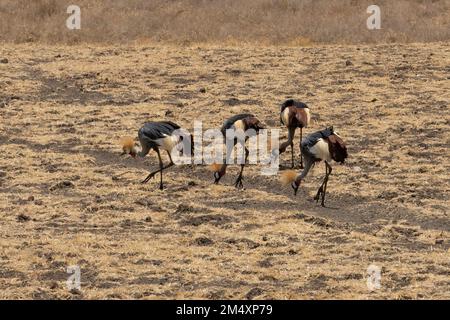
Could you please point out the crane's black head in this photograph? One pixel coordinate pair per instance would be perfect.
(131, 151)
(219, 174)
(295, 185)
(128, 146)
(219, 171)
(290, 177)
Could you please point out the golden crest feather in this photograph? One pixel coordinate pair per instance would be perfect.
(127, 142)
(215, 167)
(288, 176)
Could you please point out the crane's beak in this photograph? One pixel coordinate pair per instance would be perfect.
(123, 153)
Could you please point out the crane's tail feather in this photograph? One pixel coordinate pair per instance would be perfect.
(215, 167)
(127, 143)
(287, 177)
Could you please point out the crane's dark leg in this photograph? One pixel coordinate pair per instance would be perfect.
(326, 183)
(229, 145)
(171, 161)
(292, 154)
(217, 175)
(238, 183)
(320, 191)
(323, 187)
(151, 175)
(287, 143)
(301, 154)
(161, 168)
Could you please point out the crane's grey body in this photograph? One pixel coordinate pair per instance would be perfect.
(293, 114)
(152, 135)
(230, 122)
(323, 145)
(308, 143)
(156, 135)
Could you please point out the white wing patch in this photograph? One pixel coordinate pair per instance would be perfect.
(285, 116)
(239, 125)
(308, 117)
(167, 143)
(321, 151)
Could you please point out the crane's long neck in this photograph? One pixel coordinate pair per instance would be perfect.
(141, 153)
(308, 166)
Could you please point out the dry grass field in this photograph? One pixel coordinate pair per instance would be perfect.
(67, 197)
(287, 22)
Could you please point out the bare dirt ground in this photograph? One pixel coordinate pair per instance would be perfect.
(68, 198)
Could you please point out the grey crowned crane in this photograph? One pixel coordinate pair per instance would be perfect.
(154, 136)
(244, 122)
(293, 114)
(323, 145)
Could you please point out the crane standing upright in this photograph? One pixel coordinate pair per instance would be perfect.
(293, 114)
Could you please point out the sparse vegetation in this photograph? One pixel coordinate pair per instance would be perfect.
(291, 22)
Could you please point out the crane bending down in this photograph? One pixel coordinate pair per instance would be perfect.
(244, 122)
(154, 136)
(294, 114)
(323, 145)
